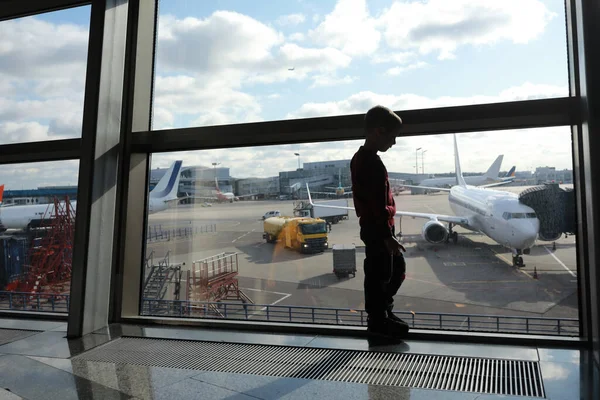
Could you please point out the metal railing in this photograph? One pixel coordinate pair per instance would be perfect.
(356, 317)
(156, 233)
(39, 302)
(59, 303)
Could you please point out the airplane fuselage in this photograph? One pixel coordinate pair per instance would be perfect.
(474, 180)
(497, 214)
(24, 217)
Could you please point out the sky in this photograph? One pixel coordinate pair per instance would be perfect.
(229, 61)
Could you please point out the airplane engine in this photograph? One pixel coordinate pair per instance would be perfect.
(549, 236)
(434, 232)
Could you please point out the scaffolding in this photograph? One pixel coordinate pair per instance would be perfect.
(50, 252)
(213, 280)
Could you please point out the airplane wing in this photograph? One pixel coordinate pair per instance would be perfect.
(328, 193)
(441, 189)
(433, 217)
(496, 184)
(204, 198)
(248, 195)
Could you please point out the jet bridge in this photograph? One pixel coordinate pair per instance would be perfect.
(555, 209)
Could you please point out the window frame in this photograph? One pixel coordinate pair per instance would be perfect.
(139, 142)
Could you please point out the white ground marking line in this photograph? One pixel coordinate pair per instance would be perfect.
(432, 210)
(267, 291)
(238, 238)
(560, 262)
(272, 304)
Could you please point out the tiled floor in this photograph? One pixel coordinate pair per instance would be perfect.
(40, 367)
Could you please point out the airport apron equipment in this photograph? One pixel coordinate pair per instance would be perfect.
(555, 209)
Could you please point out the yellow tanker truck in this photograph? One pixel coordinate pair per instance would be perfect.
(301, 234)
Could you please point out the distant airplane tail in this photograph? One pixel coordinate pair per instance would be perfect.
(168, 185)
(1, 192)
(460, 180)
(511, 172)
(493, 172)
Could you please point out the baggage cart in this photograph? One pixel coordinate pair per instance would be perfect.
(344, 260)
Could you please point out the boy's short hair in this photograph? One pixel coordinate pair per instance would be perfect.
(382, 117)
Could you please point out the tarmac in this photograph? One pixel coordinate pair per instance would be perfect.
(473, 276)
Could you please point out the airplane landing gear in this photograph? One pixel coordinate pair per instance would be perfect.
(517, 259)
(451, 234)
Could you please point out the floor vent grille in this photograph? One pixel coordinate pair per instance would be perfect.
(466, 374)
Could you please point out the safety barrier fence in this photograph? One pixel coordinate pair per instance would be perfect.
(39, 302)
(352, 317)
(156, 233)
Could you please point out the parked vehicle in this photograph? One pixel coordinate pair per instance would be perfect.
(330, 215)
(269, 214)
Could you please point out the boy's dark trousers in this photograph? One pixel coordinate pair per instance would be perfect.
(380, 287)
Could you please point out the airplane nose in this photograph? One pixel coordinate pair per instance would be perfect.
(525, 234)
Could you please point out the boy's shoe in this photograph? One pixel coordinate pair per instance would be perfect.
(387, 327)
(396, 319)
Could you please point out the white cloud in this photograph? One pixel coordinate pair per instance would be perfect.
(35, 49)
(442, 26)
(331, 80)
(226, 40)
(237, 49)
(42, 75)
(34, 175)
(398, 58)
(18, 132)
(395, 71)
(181, 97)
(350, 28)
(290, 19)
(296, 37)
(362, 101)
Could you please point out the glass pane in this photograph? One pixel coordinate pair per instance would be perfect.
(37, 225)
(228, 249)
(42, 76)
(222, 62)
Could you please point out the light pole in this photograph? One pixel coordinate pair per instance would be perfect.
(298, 155)
(423, 161)
(417, 159)
(215, 173)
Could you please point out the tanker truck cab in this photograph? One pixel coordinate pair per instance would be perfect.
(302, 234)
(312, 234)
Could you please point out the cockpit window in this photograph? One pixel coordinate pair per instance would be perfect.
(507, 215)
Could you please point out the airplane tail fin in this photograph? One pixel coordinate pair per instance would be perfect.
(460, 180)
(217, 185)
(309, 197)
(511, 172)
(168, 185)
(1, 192)
(494, 171)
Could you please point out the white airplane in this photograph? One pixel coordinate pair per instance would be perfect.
(491, 176)
(497, 214)
(26, 217)
(221, 196)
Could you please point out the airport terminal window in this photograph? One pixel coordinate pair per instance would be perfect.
(233, 62)
(42, 76)
(37, 225)
(214, 255)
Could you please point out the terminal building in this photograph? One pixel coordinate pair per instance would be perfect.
(41, 195)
